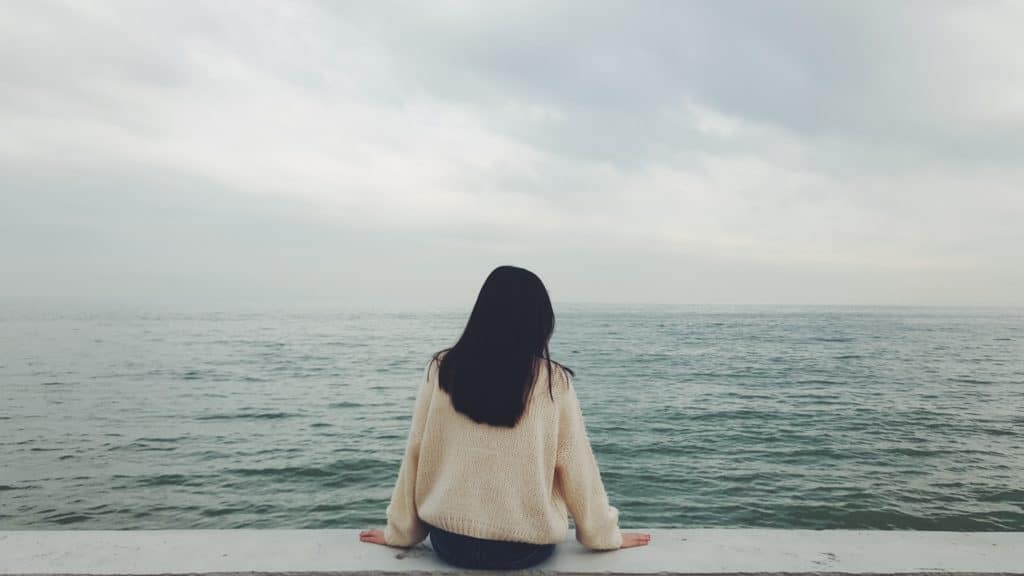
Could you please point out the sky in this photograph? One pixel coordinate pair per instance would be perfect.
(188, 154)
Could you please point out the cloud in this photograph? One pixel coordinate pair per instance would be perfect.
(865, 139)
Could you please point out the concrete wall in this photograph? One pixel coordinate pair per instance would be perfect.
(728, 551)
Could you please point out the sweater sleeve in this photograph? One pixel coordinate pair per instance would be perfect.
(597, 522)
(404, 527)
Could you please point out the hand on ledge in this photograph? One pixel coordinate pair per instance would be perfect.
(372, 536)
(631, 539)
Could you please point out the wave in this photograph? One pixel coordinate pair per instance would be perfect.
(248, 416)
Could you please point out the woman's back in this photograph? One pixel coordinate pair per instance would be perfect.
(502, 483)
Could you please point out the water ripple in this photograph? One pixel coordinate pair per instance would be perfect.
(855, 418)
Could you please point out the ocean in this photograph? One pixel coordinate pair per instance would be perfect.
(818, 417)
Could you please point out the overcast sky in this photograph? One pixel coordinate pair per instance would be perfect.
(222, 154)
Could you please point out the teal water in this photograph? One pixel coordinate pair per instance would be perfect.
(868, 418)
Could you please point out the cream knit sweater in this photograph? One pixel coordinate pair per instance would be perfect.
(501, 483)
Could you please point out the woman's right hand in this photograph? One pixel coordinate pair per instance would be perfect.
(633, 539)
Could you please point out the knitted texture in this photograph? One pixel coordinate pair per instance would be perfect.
(512, 484)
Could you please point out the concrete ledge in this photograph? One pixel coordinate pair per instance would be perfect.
(727, 551)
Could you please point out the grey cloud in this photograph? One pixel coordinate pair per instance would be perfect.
(877, 74)
(865, 99)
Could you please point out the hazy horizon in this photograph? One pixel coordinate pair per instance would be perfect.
(52, 309)
(260, 155)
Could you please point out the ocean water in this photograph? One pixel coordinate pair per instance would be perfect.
(866, 418)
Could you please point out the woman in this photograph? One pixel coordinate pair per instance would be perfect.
(498, 453)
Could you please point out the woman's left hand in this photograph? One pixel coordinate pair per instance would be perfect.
(372, 536)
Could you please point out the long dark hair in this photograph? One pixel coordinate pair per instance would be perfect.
(490, 372)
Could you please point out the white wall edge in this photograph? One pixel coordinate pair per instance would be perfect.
(692, 552)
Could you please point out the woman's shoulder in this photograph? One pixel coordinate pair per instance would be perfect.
(433, 367)
(560, 372)
(438, 357)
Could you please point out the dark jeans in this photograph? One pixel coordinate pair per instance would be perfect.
(469, 552)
